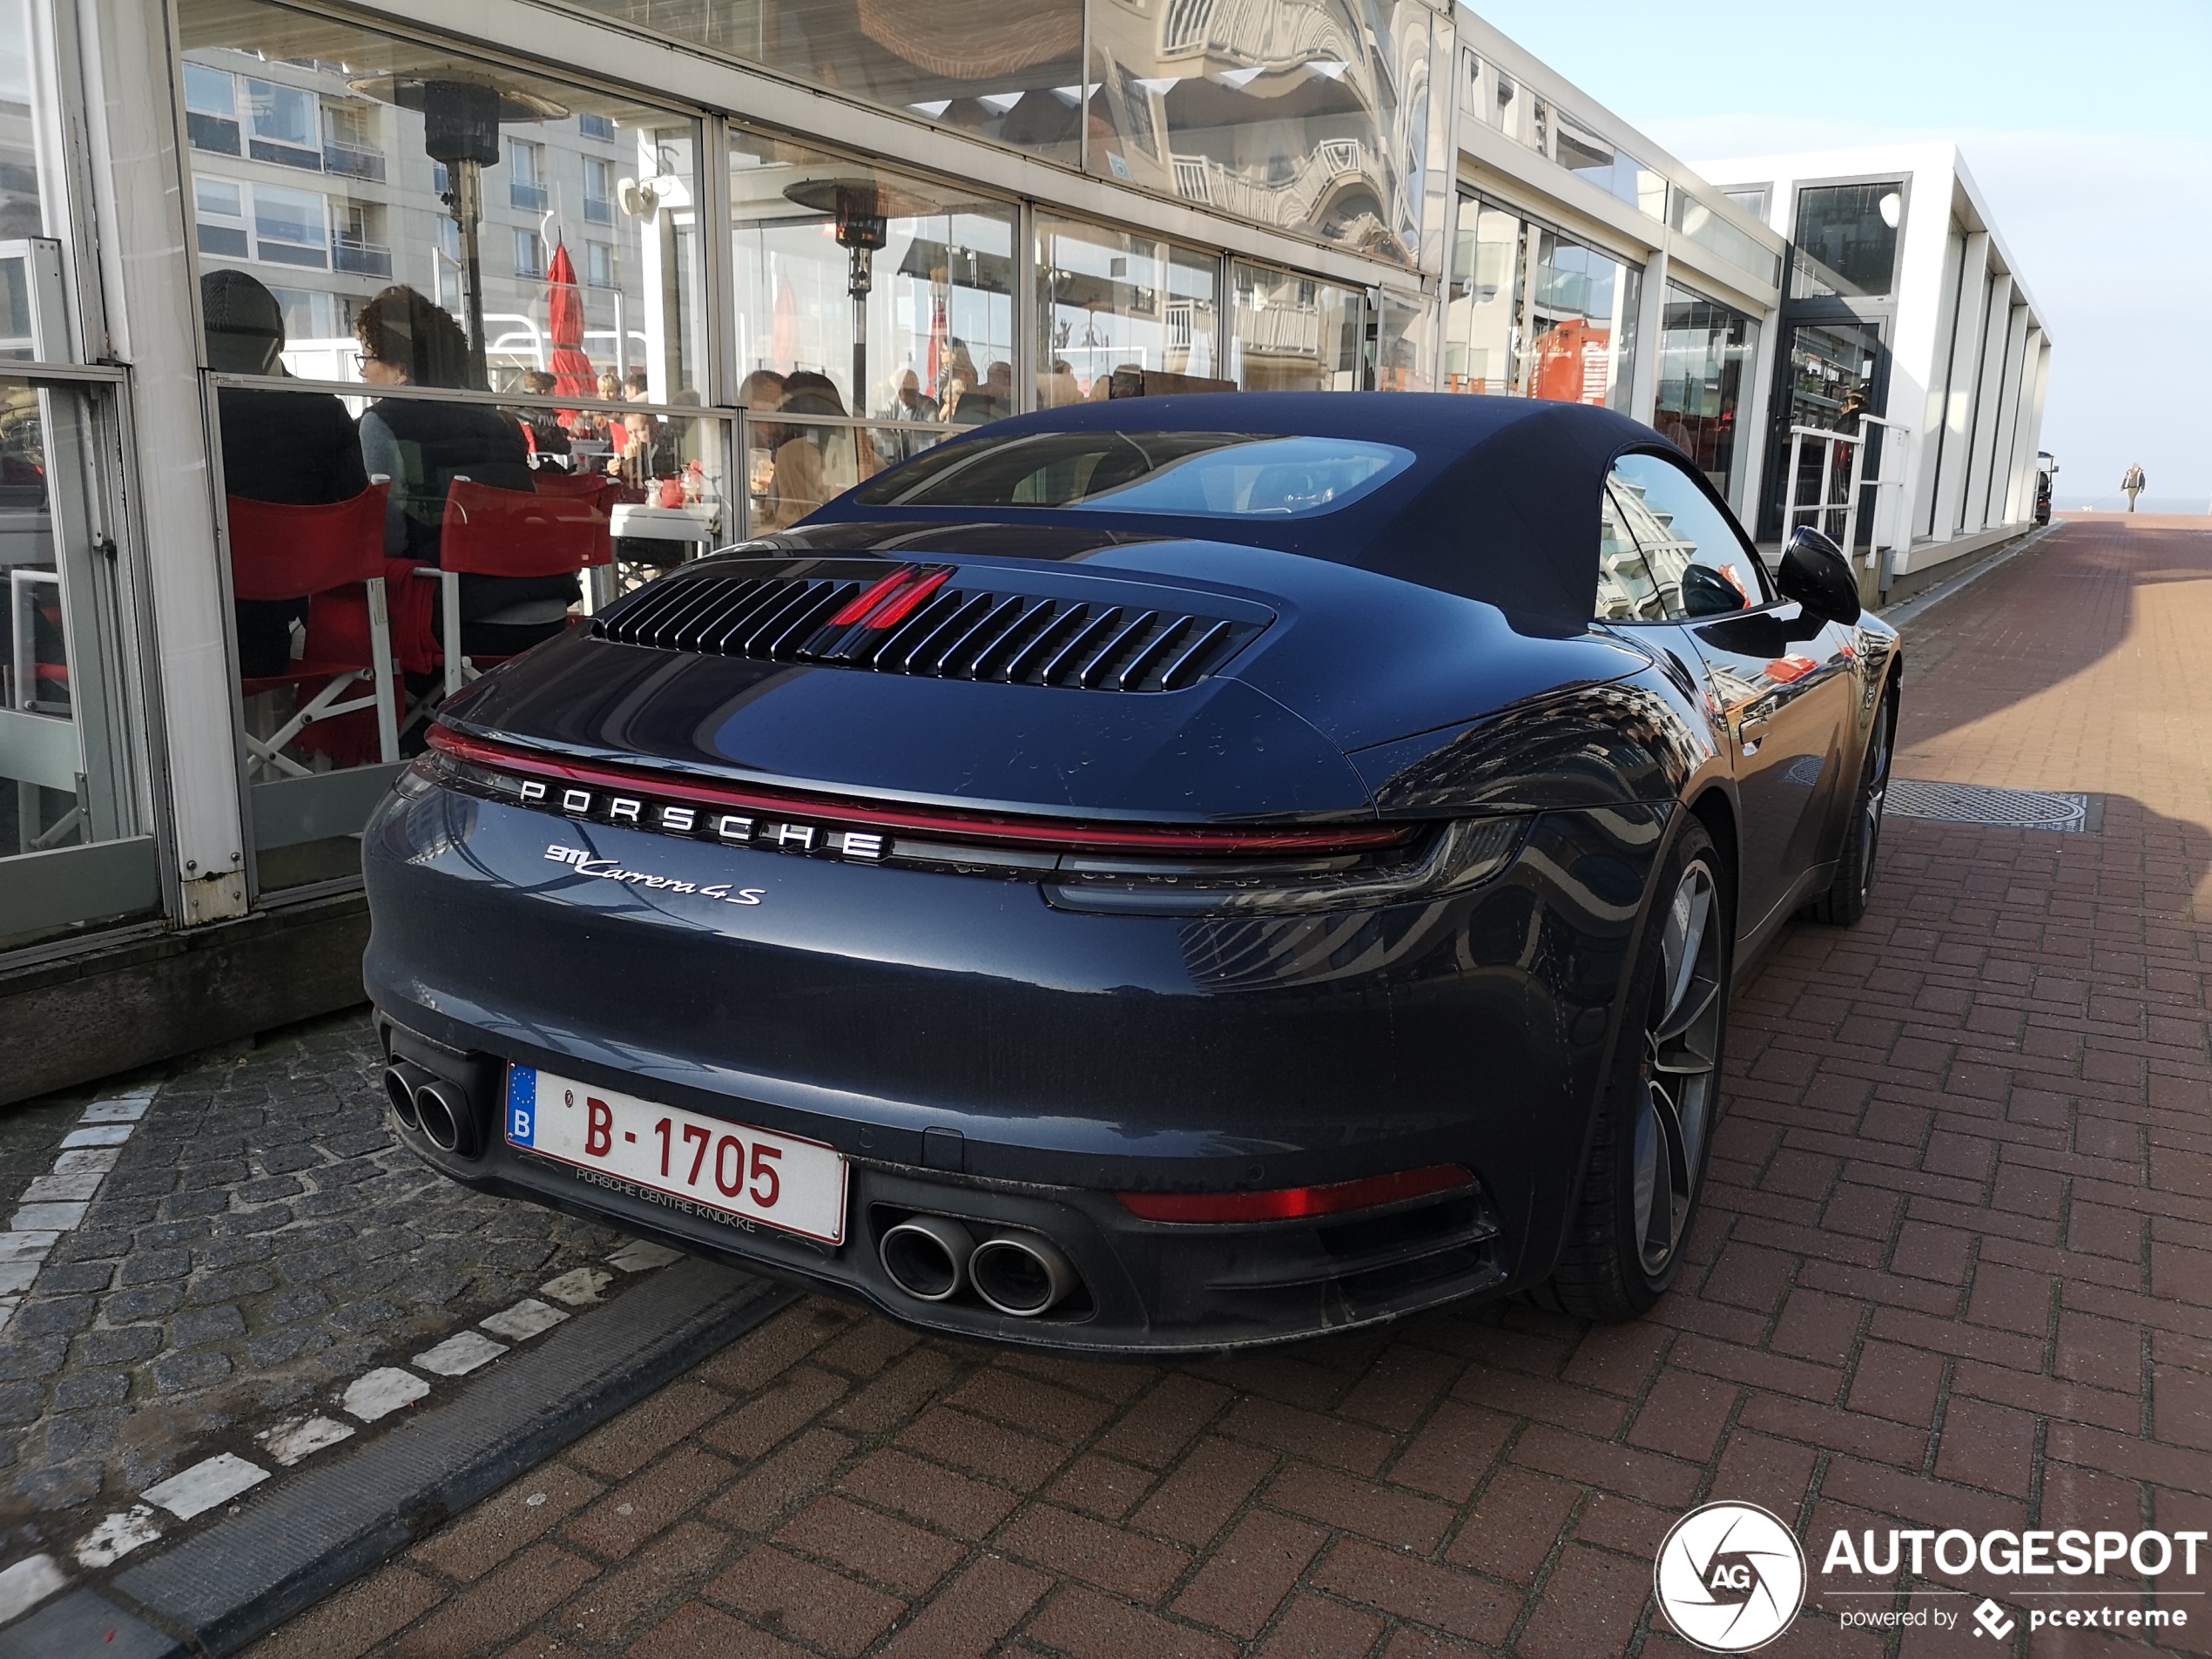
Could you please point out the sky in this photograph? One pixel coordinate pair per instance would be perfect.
(2088, 127)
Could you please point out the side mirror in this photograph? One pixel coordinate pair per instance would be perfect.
(1817, 574)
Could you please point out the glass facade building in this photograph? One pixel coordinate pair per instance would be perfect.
(373, 305)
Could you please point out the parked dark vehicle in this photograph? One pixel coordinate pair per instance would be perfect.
(1165, 874)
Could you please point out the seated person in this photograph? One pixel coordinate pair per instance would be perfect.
(408, 339)
(542, 429)
(294, 448)
(644, 450)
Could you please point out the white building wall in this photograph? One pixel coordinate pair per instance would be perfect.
(1962, 374)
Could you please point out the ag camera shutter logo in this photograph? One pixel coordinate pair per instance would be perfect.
(1730, 1577)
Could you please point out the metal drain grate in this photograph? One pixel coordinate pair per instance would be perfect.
(2008, 808)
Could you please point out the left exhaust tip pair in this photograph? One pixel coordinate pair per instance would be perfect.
(1020, 1273)
(433, 1107)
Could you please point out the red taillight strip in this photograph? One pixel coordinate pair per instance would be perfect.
(1290, 1203)
(871, 596)
(955, 826)
(905, 604)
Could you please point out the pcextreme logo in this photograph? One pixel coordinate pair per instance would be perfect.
(1730, 1577)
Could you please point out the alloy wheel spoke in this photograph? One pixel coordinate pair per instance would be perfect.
(1684, 1046)
(1686, 922)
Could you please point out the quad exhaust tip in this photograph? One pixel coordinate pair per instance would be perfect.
(933, 1258)
(1022, 1273)
(928, 1256)
(401, 1079)
(432, 1107)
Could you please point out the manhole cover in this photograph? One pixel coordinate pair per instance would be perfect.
(2010, 808)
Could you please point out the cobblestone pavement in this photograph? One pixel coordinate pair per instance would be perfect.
(260, 1239)
(1955, 1269)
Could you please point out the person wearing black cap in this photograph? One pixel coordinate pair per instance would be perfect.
(294, 448)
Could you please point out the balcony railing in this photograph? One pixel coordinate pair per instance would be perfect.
(363, 258)
(351, 163)
(530, 198)
(284, 155)
(212, 133)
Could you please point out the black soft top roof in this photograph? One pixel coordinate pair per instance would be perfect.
(1501, 504)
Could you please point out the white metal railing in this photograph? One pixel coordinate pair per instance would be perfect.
(1827, 507)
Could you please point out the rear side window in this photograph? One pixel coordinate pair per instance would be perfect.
(1625, 590)
(1698, 563)
(1201, 474)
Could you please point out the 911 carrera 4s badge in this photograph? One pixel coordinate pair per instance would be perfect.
(612, 870)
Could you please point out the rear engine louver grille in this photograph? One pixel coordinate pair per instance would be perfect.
(947, 632)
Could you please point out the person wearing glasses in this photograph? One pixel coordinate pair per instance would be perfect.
(293, 448)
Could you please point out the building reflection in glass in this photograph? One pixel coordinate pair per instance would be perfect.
(928, 334)
(1292, 333)
(1010, 70)
(1310, 116)
(1705, 351)
(1108, 300)
(1531, 311)
(314, 154)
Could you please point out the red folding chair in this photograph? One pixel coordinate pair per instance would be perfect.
(595, 489)
(543, 532)
(296, 553)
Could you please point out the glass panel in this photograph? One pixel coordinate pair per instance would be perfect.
(1404, 346)
(1583, 322)
(1306, 115)
(1752, 198)
(1292, 333)
(1828, 384)
(431, 168)
(1206, 474)
(22, 131)
(1481, 335)
(795, 466)
(850, 279)
(1705, 350)
(1709, 230)
(1847, 240)
(1699, 562)
(1586, 155)
(1625, 590)
(1010, 70)
(1112, 300)
(70, 777)
(296, 467)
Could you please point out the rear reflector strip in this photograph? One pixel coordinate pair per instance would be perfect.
(1290, 1203)
(873, 594)
(983, 827)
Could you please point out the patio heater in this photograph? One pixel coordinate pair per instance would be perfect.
(861, 210)
(460, 122)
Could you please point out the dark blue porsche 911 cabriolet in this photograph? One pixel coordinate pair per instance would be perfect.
(1160, 875)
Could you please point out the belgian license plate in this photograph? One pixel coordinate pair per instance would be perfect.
(722, 1168)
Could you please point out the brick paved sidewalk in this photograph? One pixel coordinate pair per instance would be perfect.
(1955, 1269)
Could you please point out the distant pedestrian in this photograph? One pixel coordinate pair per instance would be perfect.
(2133, 483)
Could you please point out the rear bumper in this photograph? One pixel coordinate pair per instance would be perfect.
(974, 1052)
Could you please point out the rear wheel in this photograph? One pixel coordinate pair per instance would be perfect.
(1845, 901)
(1654, 1128)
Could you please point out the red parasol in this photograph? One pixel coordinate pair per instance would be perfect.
(573, 375)
(939, 347)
